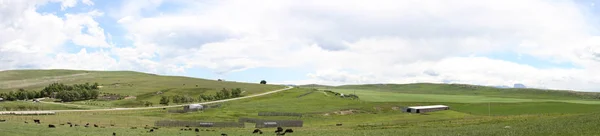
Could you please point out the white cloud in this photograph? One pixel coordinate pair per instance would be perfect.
(351, 41)
(376, 41)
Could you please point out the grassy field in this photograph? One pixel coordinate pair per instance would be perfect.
(28, 105)
(127, 83)
(475, 110)
(321, 113)
(386, 96)
(472, 90)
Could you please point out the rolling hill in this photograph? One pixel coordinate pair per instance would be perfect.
(141, 86)
(470, 90)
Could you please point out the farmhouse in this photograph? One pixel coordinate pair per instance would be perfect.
(423, 109)
(193, 107)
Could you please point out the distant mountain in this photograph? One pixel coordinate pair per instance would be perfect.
(502, 86)
(518, 85)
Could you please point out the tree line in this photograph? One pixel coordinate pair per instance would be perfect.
(219, 95)
(56, 90)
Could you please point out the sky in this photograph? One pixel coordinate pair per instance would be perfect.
(552, 44)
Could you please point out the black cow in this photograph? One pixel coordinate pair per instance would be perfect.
(26, 122)
(279, 130)
(151, 130)
(36, 121)
(257, 131)
(289, 131)
(71, 125)
(95, 125)
(133, 127)
(2, 120)
(114, 134)
(197, 130)
(223, 134)
(51, 126)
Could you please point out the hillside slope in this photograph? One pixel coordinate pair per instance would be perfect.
(474, 90)
(125, 83)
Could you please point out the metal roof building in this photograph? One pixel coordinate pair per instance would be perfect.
(423, 109)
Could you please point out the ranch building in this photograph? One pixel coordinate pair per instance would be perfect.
(193, 107)
(423, 109)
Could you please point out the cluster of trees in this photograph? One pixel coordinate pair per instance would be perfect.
(56, 90)
(182, 99)
(71, 93)
(219, 95)
(21, 94)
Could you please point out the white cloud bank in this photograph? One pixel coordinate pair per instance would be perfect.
(344, 42)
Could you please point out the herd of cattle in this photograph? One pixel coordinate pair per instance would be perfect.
(279, 131)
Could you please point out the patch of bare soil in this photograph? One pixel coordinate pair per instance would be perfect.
(345, 112)
(129, 97)
(395, 108)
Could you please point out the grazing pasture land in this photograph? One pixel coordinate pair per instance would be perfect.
(135, 87)
(474, 110)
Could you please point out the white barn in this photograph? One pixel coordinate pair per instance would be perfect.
(193, 107)
(423, 109)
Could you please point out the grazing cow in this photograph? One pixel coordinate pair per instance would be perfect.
(36, 121)
(133, 127)
(279, 130)
(95, 125)
(76, 125)
(114, 134)
(151, 130)
(87, 124)
(26, 122)
(289, 131)
(71, 125)
(257, 131)
(338, 124)
(51, 126)
(223, 134)
(197, 130)
(2, 120)
(112, 125)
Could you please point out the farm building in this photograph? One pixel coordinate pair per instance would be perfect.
(423, 109)
(193, 107)
(1, 99)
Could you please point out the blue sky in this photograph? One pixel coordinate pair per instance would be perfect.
(545, 44)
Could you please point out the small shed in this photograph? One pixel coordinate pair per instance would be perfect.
(269, 124)
(423, 109)
(193, 107)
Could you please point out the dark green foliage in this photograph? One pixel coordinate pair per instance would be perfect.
(237, 92)
(71, 93)
(164, 100)
(21, 94)
(182, 99)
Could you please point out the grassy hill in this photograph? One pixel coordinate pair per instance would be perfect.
(127, 83)
(321, 111)
(471, 90)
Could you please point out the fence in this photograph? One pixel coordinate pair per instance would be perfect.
(278, 123)
(306, 94)
(174, 123)
(279, 114)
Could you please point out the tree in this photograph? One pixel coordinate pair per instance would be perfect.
(147, 103)
(164, 100)
(263, 82)
(237, 92)
(226, 93)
